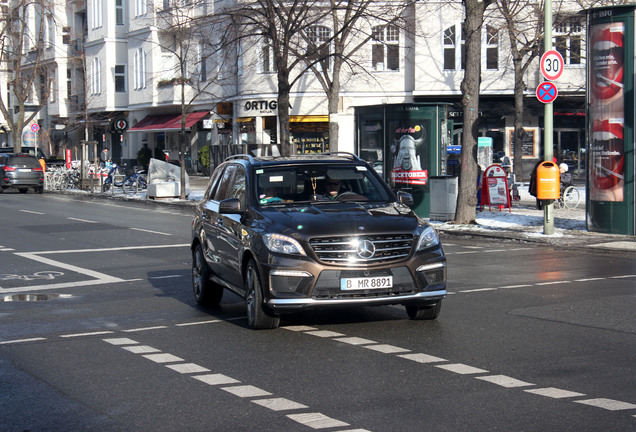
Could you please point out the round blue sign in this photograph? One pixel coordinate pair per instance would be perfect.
(547, 92)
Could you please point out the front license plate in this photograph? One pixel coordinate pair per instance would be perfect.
(362, 283)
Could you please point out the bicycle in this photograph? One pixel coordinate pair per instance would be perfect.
(570, 198)
(136, 181)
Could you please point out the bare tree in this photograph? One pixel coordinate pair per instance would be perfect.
(353, 25)
(22, 40)
(524, 24)
(467, 194)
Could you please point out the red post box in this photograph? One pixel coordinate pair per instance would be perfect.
(548, 181)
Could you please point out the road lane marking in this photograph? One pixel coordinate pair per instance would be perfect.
(96, 333)
(141, 349)
(82, 220)
(554, 393)
(197, 323)
(461, 369)
(187, 368)
(504, 381)
(17, 341)
(317, 420)
(151, 231)
(386, 349)
(163, 358)
(324, 333)
(145, 329)
(32, 212)
(246, 391)
(355, 341)
(422, 358)
(608, 404)
(216, 379)
(280, 404)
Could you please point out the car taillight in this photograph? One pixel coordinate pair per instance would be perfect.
(39, 169)
(9, 168)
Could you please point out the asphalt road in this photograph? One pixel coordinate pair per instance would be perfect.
(99, 331)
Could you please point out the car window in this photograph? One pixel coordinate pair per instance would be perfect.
(237, 190)
(297, 183)
(223, 189)
(213, 184)
(23, 162)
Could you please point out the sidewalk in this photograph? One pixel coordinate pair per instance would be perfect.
(523, 223)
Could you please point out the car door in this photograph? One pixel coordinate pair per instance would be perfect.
(229, 228)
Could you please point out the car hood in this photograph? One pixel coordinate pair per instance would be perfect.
(335, 219)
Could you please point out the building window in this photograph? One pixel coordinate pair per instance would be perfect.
(568, 36)
(69, 83)
(97, 14)
(318, 46)
(167, 67)
(96, 76)
(203, 63)
(119, 12)
(141, 7)
(140, 69)
(450, 48)
(385, 51)
(492, 48)
(120, 78)
(49, 31)
(267, 58)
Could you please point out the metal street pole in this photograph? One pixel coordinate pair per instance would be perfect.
(548, 209)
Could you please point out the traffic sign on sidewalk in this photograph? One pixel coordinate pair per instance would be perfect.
(551, 65)
(547, 92)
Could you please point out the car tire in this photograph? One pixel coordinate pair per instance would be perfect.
(259, 316)
(426, 312)
(38, 189)
(206, 292)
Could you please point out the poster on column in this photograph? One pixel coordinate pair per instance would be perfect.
(607, 112)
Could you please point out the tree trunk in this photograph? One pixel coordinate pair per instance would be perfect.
(519, 132)
(467, 194)
(288, 148)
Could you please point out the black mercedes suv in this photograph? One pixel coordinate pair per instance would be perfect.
(312, 231)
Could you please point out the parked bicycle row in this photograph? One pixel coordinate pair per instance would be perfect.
(110, 178)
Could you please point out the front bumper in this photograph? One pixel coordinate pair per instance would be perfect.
(417, 281)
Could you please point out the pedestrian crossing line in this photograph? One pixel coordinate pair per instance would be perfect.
(477, 373)
(261, 397)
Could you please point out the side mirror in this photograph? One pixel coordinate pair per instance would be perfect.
(230, 206)
(405, 198)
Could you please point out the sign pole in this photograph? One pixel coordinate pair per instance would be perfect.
(548, 210)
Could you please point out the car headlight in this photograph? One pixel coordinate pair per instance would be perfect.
(278, 243)
(427, 239)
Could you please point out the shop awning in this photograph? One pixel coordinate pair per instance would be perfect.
(166, 123)
(309, 119)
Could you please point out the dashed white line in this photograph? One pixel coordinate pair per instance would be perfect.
(163, 358)
(504, 381)
(317, 420)
(422, 358)
(187, 368)
(216, 379)
(386, 349)
(279, 404)
(16, 341)
(82, 220)
(120, 341)
(608, 404)
(553, 282)
(246, 391)
(554, 393)
(151, 231)
(461, 369)
(324, 333)
(197, 323)
(478, 290)
(32, 212)
(144, 329)
(141, 349)
(355, 341)
(97, 333)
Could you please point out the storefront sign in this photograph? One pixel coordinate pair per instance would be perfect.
(258, 108)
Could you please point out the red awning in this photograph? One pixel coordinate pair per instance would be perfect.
(169, 122)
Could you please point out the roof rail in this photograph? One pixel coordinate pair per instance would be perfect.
(240, 156)
(342, 153)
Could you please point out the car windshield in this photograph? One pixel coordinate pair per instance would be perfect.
(302, 183)
(23, 162)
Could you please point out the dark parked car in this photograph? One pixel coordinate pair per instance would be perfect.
(21, 171)
(312, 231)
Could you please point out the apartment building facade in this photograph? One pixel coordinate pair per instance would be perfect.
(117, 81)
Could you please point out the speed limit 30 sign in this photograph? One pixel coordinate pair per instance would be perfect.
(551, 65)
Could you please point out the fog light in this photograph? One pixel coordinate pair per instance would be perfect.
(432, 274)
(290, 281)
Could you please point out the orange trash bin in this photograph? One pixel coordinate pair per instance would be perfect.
(548, 181)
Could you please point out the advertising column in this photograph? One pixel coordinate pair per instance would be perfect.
(610, 180)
